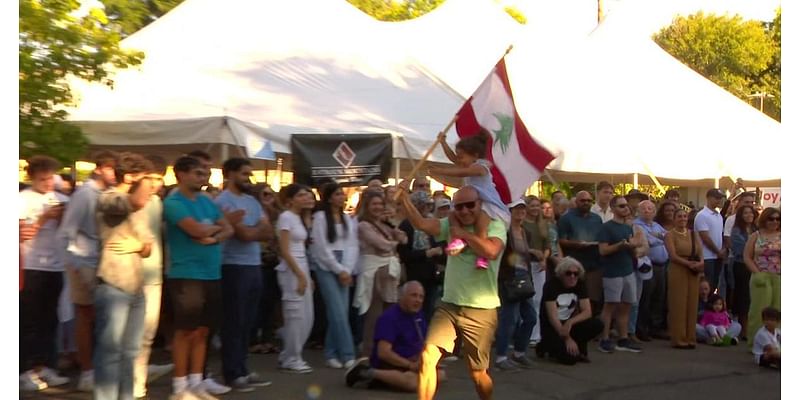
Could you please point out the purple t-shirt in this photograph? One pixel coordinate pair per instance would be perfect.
(406, 332)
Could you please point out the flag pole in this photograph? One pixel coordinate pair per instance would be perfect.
(439, 137)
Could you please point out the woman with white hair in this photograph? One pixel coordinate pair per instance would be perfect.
(566, 315)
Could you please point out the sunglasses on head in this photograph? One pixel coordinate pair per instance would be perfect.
(469, 204)
(572, 273)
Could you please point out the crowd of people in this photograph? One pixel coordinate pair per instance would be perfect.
(409, 278)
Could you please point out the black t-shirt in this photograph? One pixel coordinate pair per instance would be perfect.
(567, 300)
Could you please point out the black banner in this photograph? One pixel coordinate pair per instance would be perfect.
(349, 159)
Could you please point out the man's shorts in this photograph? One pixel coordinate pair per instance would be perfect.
(620, 290)
(195, 303)
(474, 326)
(82, 282)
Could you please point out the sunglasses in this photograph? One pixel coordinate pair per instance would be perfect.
(469, 204)
(622, 206)
(572, 273)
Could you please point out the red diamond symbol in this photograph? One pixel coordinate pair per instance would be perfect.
(344, 155)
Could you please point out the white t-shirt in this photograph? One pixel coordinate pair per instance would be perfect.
(708, 220)
(289, 221)
(606, 215)
(729, 223)
(764, 339)
(45, 252)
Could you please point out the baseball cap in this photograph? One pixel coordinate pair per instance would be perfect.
(516, 203)
(442, 203)
(715, 193)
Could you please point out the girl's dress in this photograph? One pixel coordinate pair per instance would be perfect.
(490, 198)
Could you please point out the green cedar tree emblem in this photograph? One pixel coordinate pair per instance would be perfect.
(504, 134)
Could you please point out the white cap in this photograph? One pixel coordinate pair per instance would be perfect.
(442, 202)
(516, 203)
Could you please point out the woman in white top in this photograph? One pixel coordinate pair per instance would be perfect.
(294, 277)
(334, 253)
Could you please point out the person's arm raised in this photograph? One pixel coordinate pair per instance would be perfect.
(431, 226)
(472, 170)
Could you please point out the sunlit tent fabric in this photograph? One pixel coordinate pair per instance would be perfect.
(236, 71)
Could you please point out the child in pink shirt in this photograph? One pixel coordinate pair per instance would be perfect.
(715, 319)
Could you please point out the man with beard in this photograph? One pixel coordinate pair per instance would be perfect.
(577, 234)
(195, 228)
(241, 272)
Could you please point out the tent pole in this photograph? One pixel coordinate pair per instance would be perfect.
(396, 171)
(716, 182)
(636, 180)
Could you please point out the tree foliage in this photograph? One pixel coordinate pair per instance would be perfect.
(516, 14)
(739, 55)
(389, 10)
(132, 15)
(55, 44)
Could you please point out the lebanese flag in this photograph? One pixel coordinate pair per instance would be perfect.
(517, 159)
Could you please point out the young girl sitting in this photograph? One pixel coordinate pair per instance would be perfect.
(715, 320)
(471, 165)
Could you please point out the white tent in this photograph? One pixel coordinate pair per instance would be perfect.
(243, 72)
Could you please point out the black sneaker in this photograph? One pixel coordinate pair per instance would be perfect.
(356, 374)
(628, 345)
(606, 346)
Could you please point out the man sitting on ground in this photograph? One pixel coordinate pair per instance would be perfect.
(399, 337)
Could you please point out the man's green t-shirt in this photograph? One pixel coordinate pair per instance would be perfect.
(465, 285)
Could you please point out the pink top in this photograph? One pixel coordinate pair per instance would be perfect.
(711, 317)
(768, 253)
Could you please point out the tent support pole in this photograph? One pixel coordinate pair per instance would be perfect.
(716, 182)
(636, 180)
(396, 171)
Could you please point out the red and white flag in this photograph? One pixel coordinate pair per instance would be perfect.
(517, 159)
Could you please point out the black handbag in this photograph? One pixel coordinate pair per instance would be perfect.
(692, 256)
(520, 287)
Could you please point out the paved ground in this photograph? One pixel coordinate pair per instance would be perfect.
(659, 373)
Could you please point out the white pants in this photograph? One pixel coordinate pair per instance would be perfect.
(298, 318)
(716, 331)
(152, 312)
(538, 285)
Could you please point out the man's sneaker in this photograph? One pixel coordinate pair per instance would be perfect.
(297, 368)
(154, 372)
(256, 380)
(86, 382)
(30, 382)
(240, 385)
(211, 386)
(52, 378)
(627, 345)
(200, 393)
(349, 364)
(356, 374)
(606, 346)
(523, 361)
(333, 363)
(507, 365)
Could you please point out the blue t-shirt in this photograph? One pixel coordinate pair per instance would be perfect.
(235, 251)
(574, 226)
(189, 259)
(617, 264)
(406, 332)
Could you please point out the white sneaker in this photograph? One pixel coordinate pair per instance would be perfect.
(30, 382)
(157, 371)
(349, 364)
(201, 393)
(211, 386)
(52, 378)
(334, 363)
(296, 368)
(86, 382)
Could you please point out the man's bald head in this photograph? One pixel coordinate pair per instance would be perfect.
(647, 210)
(412, 295)
(466, 193)
(583, 201)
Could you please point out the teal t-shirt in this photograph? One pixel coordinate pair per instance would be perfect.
(465, 285)
(618, 264)
(189, 259)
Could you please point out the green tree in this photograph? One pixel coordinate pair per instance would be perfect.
(55, 44)
(516, 14)
(733, 53)
(389, 10)
(132, 15)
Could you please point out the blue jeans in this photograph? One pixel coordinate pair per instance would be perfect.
(119, 327)
(510, 323)
(338, 337)
(241, 294)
